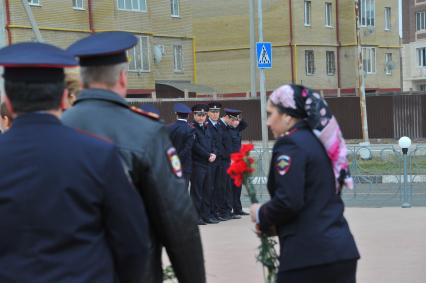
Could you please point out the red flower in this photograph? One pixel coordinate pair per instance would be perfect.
(241, 164)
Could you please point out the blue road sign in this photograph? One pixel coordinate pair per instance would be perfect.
(264, 55)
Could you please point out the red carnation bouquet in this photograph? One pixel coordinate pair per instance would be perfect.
(240, 170)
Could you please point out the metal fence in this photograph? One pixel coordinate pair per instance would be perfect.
(378, 174)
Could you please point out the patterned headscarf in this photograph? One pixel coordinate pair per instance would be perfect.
(301, 102)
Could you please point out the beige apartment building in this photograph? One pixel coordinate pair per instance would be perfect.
(414, 45)
(314, 43)
(163, 56)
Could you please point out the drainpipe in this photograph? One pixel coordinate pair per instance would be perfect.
(9, 32)
(339, 44)
(291, 40)
(90, 8)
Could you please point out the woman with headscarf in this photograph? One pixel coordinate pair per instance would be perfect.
(307, 173)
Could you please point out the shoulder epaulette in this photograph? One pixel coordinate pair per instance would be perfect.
(149, 115)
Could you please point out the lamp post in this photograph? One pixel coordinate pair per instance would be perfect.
(405, 143)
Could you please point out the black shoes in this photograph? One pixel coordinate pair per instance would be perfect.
(242, 213)
(210, 221)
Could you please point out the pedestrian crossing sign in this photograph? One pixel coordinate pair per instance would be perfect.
(264, 55)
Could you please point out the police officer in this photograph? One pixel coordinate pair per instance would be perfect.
(68, 211)
(203, 154)
(305, 207)
(237, 126)
(217, 170)
(226, 128)
(182, 136)
(145, 147)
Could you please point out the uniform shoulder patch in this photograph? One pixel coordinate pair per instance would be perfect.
(282, 164)
(174, 162)
(149, 115)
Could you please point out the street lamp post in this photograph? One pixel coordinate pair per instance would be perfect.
(405, 143)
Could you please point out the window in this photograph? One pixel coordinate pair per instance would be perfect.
(132, 5)
(34, 2)
(139, 56)
(421, 57)
(328, 14)
(307, 13)
(309, 62)
(178, 58)
(420, 20)
(388, 19)
(77, 4)
(369, 60)
(367, 11)
(175, 8)
(388, 63)
(330, 63)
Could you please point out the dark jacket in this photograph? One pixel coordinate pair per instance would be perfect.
(217, 136)
(237, 136)
(226, 140)
(148, 154)
(304, 206)
(62, 217)
(182, 136)
(203, 144)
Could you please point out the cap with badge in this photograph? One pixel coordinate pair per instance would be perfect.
(104, 48)
(35, 62)
(200, 109)
(215, 106)
(181, 108)
(150, 108)
(233, 113)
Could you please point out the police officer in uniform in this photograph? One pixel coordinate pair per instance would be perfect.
(203, 154)
(306, 209)
(68, 211)
(150, 159)
(182, 136)
(226, 128)
(237, 126)
(218, 195)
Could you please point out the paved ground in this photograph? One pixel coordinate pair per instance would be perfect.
(392, 242)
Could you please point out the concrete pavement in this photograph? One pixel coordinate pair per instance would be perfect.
(392, 243)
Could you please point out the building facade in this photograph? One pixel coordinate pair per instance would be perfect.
(165, 51)
(414, 45)
(315, 43)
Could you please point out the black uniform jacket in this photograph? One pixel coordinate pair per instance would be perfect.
(226, 140)
(151, 162)
(204, 144)
(182, 136)
(304, 206)
(217, 136)
(68, 211)
(237, 136)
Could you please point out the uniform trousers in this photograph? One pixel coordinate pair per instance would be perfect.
(201, 189)
(217, 194)
(236, 198)
(338, 272)
(227, 183)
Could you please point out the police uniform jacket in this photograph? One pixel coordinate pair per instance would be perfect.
(148, 154)
(217, 136)
(68, 211)
(237, 136)
(203, 145)
(182, 136)
(226, 140)
(304, 206)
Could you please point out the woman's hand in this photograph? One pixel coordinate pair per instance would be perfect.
(253, 212)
